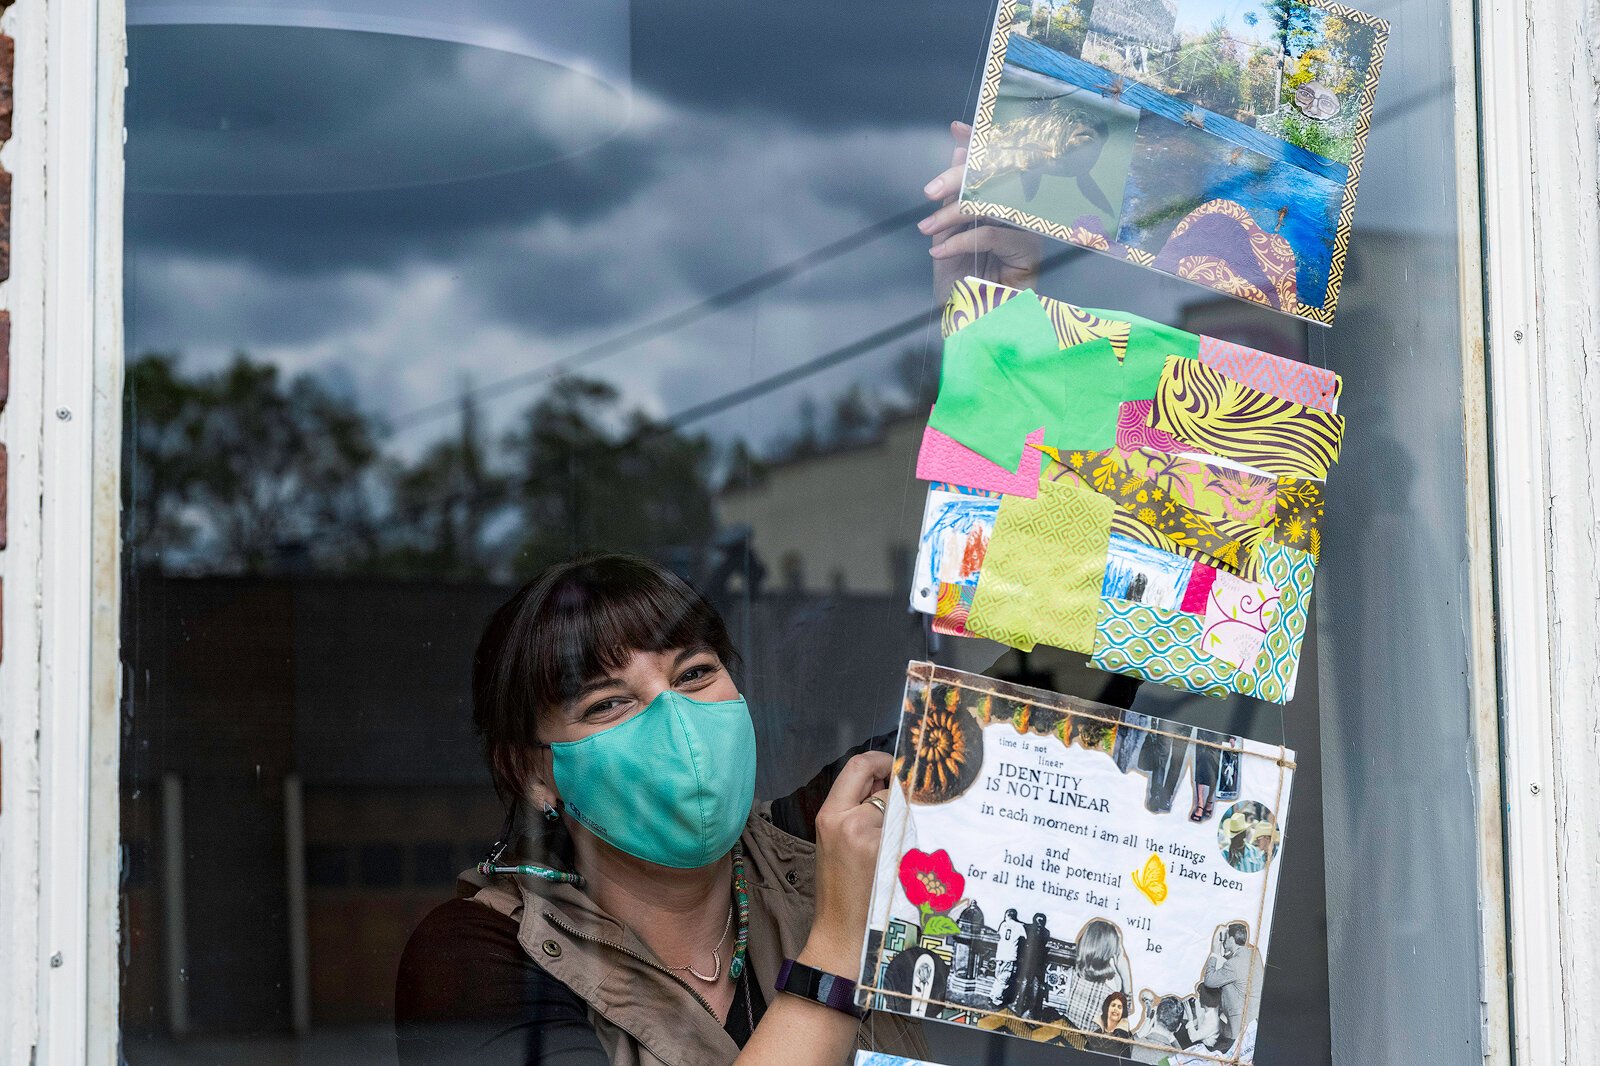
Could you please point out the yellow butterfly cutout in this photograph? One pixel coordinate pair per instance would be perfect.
(1153, 880)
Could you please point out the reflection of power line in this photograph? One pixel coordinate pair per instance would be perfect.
(639, 334)
(822, 362)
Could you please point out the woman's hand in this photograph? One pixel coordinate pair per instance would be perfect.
(963, 246)
(849, 830)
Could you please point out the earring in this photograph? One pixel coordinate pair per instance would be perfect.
(551, 814)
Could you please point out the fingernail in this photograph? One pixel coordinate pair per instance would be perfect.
(934, 187)
(926, 224)
(936, 249)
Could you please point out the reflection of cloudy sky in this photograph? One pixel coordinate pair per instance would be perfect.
(755, 139)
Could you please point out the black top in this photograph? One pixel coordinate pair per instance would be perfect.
(466, 992)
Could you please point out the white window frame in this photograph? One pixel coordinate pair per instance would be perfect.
(59, 820)
(1539, 61)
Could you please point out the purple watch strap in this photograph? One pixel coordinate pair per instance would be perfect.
(808, 982)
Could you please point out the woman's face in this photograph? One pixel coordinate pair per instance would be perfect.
(1113, 1014)
(611, 700)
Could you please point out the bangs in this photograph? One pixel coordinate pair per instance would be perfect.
(596, 617)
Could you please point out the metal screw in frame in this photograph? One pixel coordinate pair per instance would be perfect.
(64, 414)
(1534, 788)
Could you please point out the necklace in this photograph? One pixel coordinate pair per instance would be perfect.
(716, 954)
(741, 905)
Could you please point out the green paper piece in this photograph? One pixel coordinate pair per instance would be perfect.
(1092, 380)
(985, 383)
(1005, 375)
(1043, 570)
(1149, 344)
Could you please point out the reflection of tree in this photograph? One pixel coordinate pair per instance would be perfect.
(444, 503)
(241, 467)
(582, 485)
(248, 470)
(243, 470)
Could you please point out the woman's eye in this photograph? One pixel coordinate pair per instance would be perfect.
(605, 707)
(696, 673)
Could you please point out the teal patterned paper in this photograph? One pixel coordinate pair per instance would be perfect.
(1278, 665)
(1158, 645)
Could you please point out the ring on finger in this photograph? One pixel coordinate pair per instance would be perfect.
(878, 802)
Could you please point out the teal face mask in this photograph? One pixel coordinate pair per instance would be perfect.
(672, 785)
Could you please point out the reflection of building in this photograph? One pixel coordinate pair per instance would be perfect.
(843, 520)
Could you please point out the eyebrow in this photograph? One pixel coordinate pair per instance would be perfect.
(594, 686)
(690, 652)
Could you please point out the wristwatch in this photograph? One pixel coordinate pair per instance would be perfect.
(808, 982)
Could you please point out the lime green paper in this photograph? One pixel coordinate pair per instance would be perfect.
(984, 382)
(1044, 569)
(1149, 344)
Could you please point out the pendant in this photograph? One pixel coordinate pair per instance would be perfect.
(716, 967)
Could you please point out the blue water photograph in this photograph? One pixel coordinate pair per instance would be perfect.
(1177, 167)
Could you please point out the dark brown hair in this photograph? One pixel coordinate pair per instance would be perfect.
(576, 621)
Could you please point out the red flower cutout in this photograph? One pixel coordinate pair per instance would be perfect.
(931, 881)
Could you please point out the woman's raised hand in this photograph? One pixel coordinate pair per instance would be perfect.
(963, 246)
(849, 828)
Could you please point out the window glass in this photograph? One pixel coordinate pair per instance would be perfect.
(418, 303)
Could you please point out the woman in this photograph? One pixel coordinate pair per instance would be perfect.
(1100, 970)
(603, 695)
(1113, 1036)
(600, 686)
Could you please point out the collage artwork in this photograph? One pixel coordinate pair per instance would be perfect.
(1217, 143)
(1072, 874)
(1105, 484)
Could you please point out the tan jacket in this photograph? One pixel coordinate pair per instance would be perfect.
(645, 1015)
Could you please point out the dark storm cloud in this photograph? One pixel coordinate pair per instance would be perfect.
(316, 233)
(791, 63)
(835, 63)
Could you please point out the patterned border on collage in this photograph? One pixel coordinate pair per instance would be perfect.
(989, 92)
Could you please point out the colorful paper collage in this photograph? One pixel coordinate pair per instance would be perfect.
(1243, 181)
(1133, 429)
(1187, 567)
(1075, 875)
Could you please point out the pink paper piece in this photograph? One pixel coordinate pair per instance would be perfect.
(1287, 379)
(1238, 615)
(1133, 429)
(943, 458)
(1198, 591)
